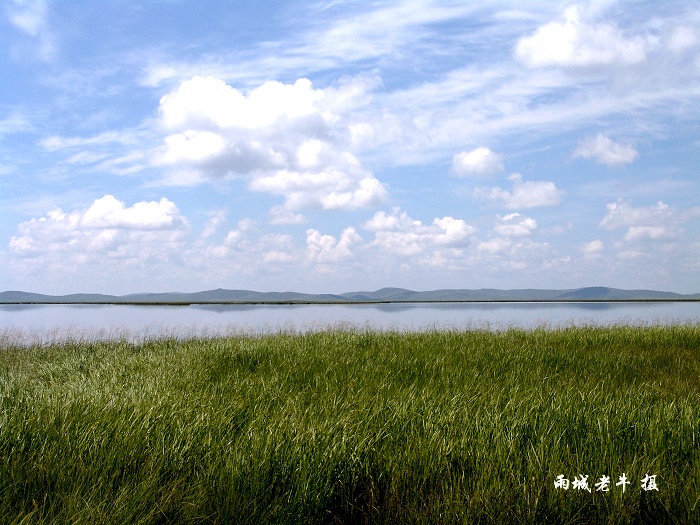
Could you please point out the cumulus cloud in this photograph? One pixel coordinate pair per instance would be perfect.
(659, 221)
(286, 139)
(106, 229)
(246, 247)
(398, 233)
(622, 214)
(477, 162)
(326, 248)
(635, 233)
(277, 248)
(495, 245)
(510, 246)
(515, 225)
(344, 184)
(193, 146)
(572, 41)
(593, 249)
(108, 212)
(238, 238)
(524, 194)
(512, 249)
(279, 216)
(604, 151)
(209, 101)
(248, 250)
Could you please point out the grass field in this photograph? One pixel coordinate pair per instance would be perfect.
(355, 426)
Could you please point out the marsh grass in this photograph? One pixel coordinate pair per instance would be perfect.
(354, 426)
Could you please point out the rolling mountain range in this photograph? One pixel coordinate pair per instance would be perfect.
(221, 296)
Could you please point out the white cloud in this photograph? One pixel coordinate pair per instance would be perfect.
(277, 248)
(635, 233)
(477, 162)
(31, 19)
(56, 142)
(339, 184)
(511, 247)
(108, 212)
(211, 102)
(381, 31)
(495, 245)
(524, 194)
(285, 139)
(515, 225)
(682, 38)
(244, 248)
(659, 221)
(238, 238)
(400, 234)
(575, 42)
(108, 229)
(593, 248)
(495, 101)
(274, 257)
(329, 38)
(381, 221)
(279, 215)
(123, 153)
(154, 74)
(193, 146)
(508, 253)
(329, 190)
(216, 220)
(326, 248)
(14, 123)
(622, 214)
(433, 115)
(605, 151)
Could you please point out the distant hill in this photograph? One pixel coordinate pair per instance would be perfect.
(599, 292)
(595, 293)
(26, 297)
(223, 296)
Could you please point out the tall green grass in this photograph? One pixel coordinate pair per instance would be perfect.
(354, 426)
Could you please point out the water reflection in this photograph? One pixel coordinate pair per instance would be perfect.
(107, 321)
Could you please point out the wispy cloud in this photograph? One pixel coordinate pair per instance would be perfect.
(14, 123)
(31, 18)
(334, 37)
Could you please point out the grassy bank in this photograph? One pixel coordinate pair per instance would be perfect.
(354, 427)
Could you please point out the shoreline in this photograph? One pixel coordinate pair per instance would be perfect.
(349, 303)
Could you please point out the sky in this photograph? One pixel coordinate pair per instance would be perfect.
(335, 146)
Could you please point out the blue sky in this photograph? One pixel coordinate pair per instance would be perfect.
(343, 145)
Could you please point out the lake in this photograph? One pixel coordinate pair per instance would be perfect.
(32, 323)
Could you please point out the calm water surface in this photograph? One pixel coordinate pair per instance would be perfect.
(56, 322)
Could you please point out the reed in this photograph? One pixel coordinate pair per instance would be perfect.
(354, 426)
